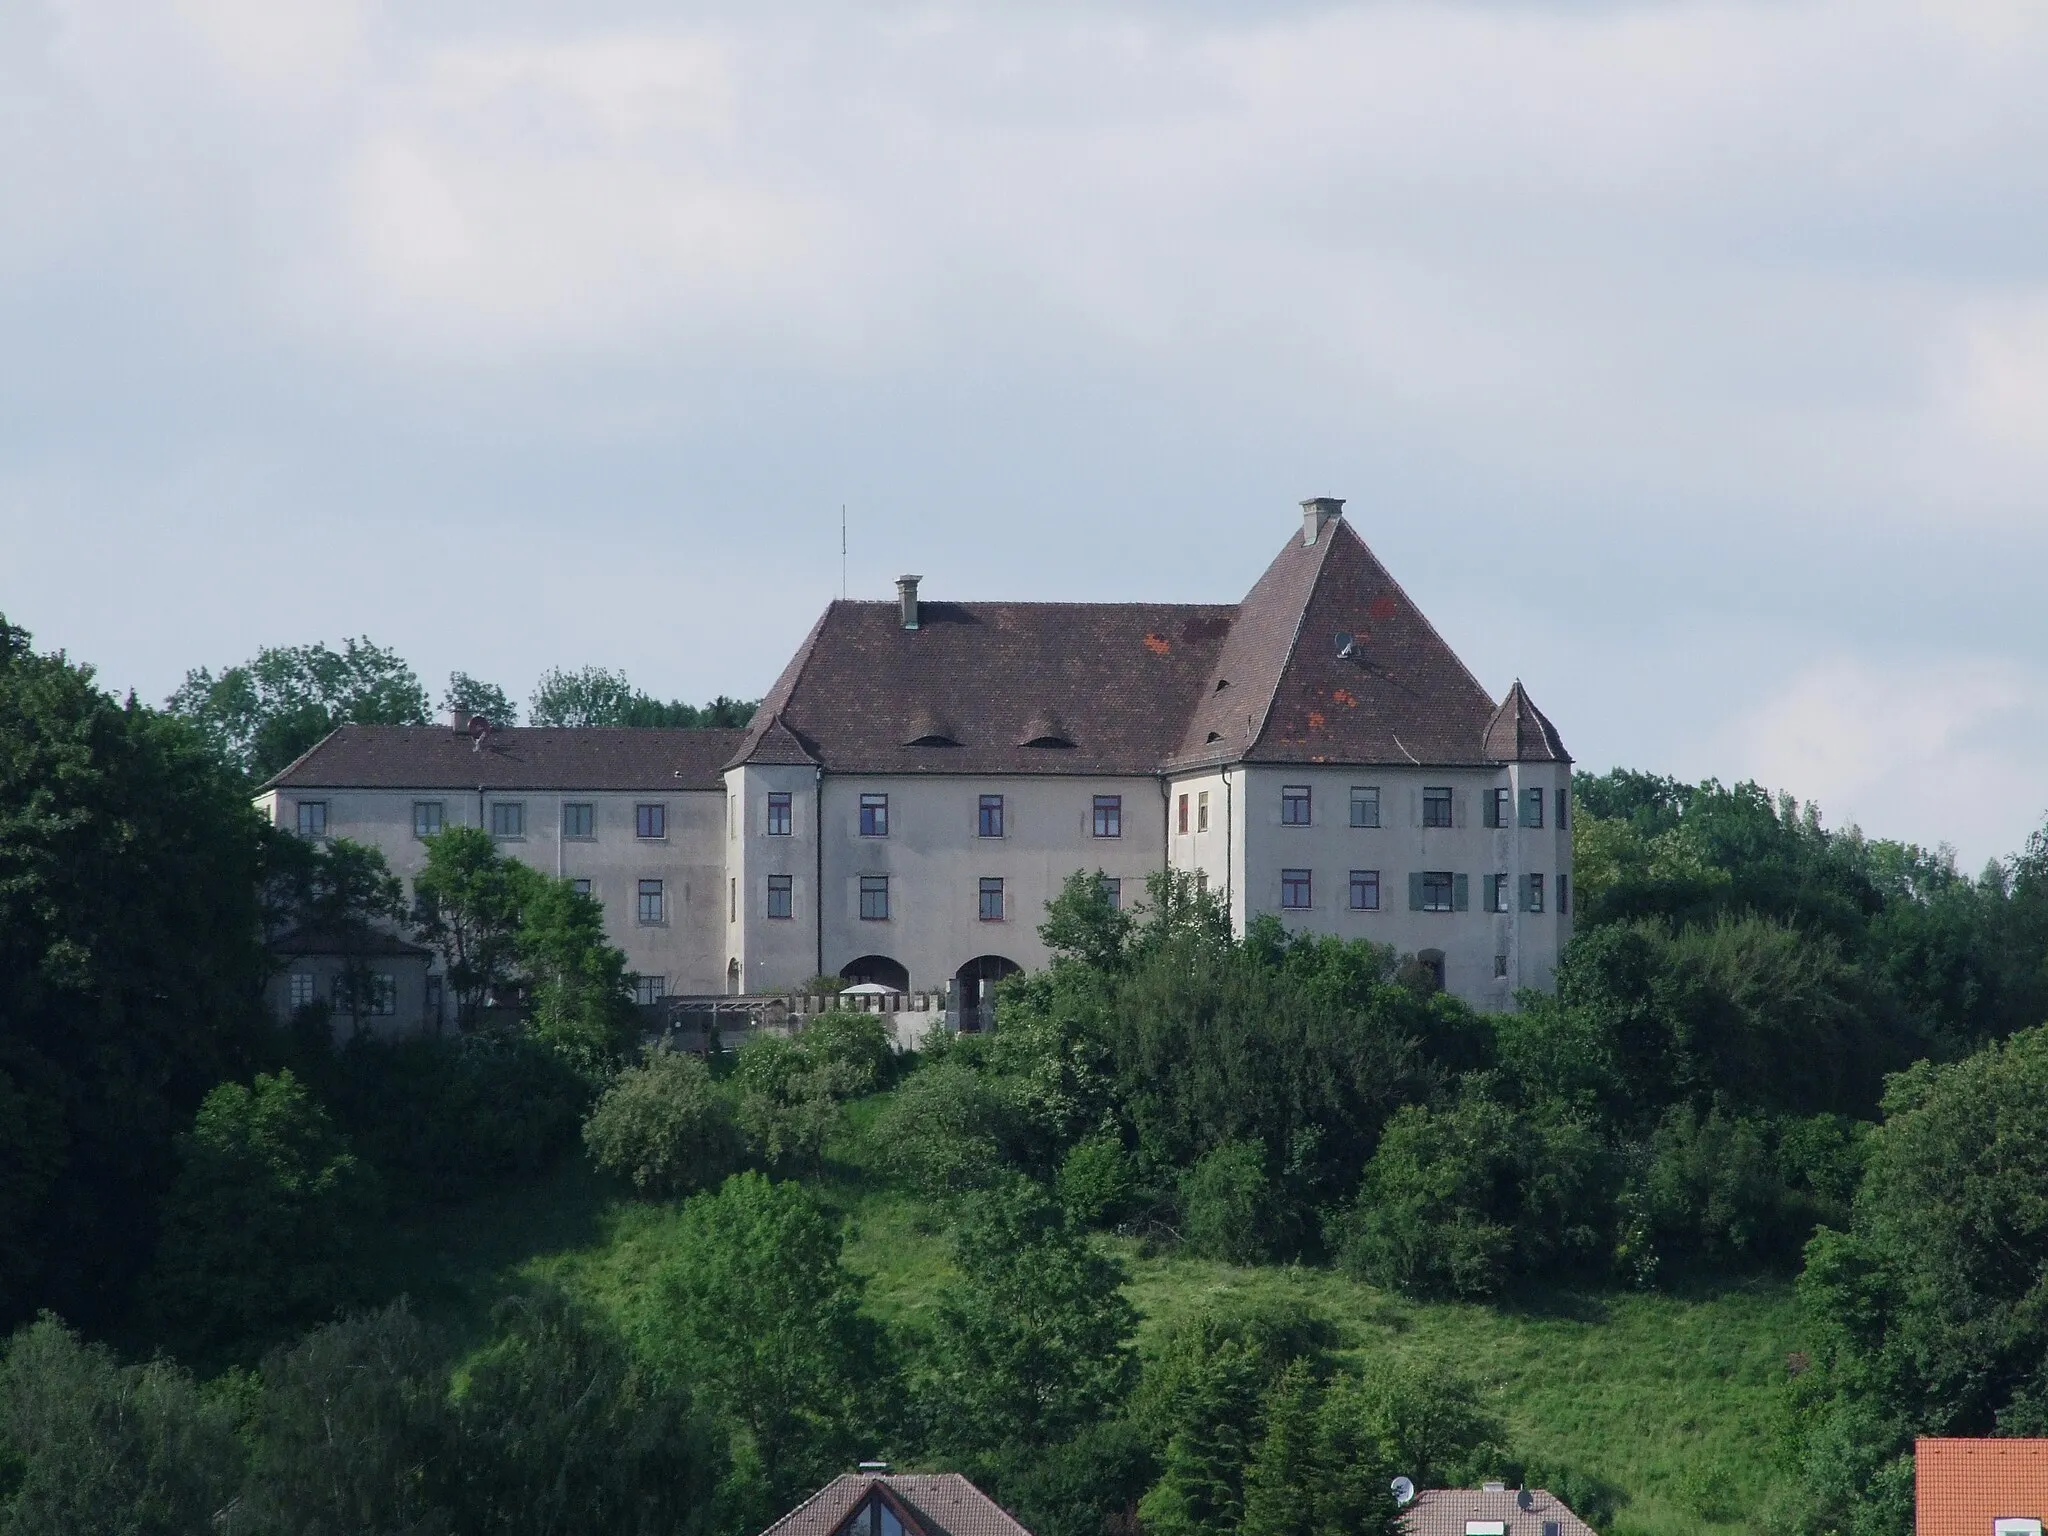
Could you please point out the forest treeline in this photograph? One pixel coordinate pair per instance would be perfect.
(1773, 1048)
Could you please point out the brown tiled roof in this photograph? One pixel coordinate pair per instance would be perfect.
(522, 757)
(942, 1503)
(866, 695)
(1283, 691)
(1961, 1486)
(1519, 732)
(1445, 1511)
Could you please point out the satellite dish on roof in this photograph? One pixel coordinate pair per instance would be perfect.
(1404, 1491)
(479, 726)
(1346, 644)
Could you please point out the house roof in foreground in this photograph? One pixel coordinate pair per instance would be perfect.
(1961, 1486)
(1327, 659)
(519, 757)
(1523, 1511)
(938, 1503)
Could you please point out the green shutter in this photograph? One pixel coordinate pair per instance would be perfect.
(1461, 893)
(1532, 807)
(1528, 894)
(1415, 893)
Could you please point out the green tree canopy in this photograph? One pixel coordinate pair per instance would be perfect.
(755, 1309)
(472, 696)
(599, 696)
(665, 1126)
(131, 970)
(262, 714)
(262, 1229)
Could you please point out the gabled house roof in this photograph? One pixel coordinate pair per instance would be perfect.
(1960, 1487)
(1326, 660)
(929, 1504)
(1515, 1511)
(519, 757)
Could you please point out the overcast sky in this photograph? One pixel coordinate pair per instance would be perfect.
(1689, 362)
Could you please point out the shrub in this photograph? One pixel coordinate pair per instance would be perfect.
(446, 1118)
(850, 1048)
(1225, 1204)
(1428, 1217)
(665, 1125)
(948, 1128)
(1098, 1182)
(262, 1227)
(1712, 1189)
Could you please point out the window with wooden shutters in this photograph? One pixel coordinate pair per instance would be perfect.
(1532, 893)
(1434, 890)
(1496, 893)
(1497, 806)
(1532, 807)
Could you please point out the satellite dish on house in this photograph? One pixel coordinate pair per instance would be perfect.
(1404, 1491)
(479, 726)
(1346, 644)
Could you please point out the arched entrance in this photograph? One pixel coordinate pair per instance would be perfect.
(974, 988)
(732, 977)
(878, 969)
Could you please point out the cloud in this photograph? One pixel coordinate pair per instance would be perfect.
(1926, 753)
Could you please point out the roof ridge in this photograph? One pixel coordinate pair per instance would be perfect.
(1321, 558)
(277, 777)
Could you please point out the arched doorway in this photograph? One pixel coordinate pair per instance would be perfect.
(877, 969)
(732, 977)
(974, 988)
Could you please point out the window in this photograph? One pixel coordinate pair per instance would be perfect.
(1365, 890)
(1564, 799)
(579, 820)
(305, 989)
(651, 904)
(779, 895)
(1113, 888)
(1365, 805)
(1294, 889)
(991, 900)
(650, 821)
(1434, 891)
(1181, 824)
(1202, 810)
(508, 818)
(1497, 807)
(649, 990)
(778, 815)
(426, 818)
(874, 898)
(1436, 807)
(874, 815)
(1294, 805)
(312, 818)
(379, 999)
(1564, 891)
(732, 900)
(1550, 1527)
(1500, 967)
(989, 818)
(1109, 815)
(1532, 807)
(1496, 893)
(580, 887)
(1532, 893)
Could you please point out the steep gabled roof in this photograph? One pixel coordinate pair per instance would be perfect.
(938, 1504)
(1330, 661)
(1113, 680)
(1519, 732)
(520, 757)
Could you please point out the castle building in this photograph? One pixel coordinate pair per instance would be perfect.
(924, 775)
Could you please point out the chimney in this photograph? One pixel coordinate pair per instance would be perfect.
(458, 720)
(1317, 513)
(906, 595)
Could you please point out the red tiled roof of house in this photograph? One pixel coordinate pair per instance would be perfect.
(1961, 1487)
(941, 1503)
(1523, 1511)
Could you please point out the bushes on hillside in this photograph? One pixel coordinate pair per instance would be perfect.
(263, 1228)
(665, 1126)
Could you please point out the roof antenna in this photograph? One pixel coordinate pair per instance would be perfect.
(842, 551)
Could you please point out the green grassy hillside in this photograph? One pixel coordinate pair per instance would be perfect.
(1672, 1399)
